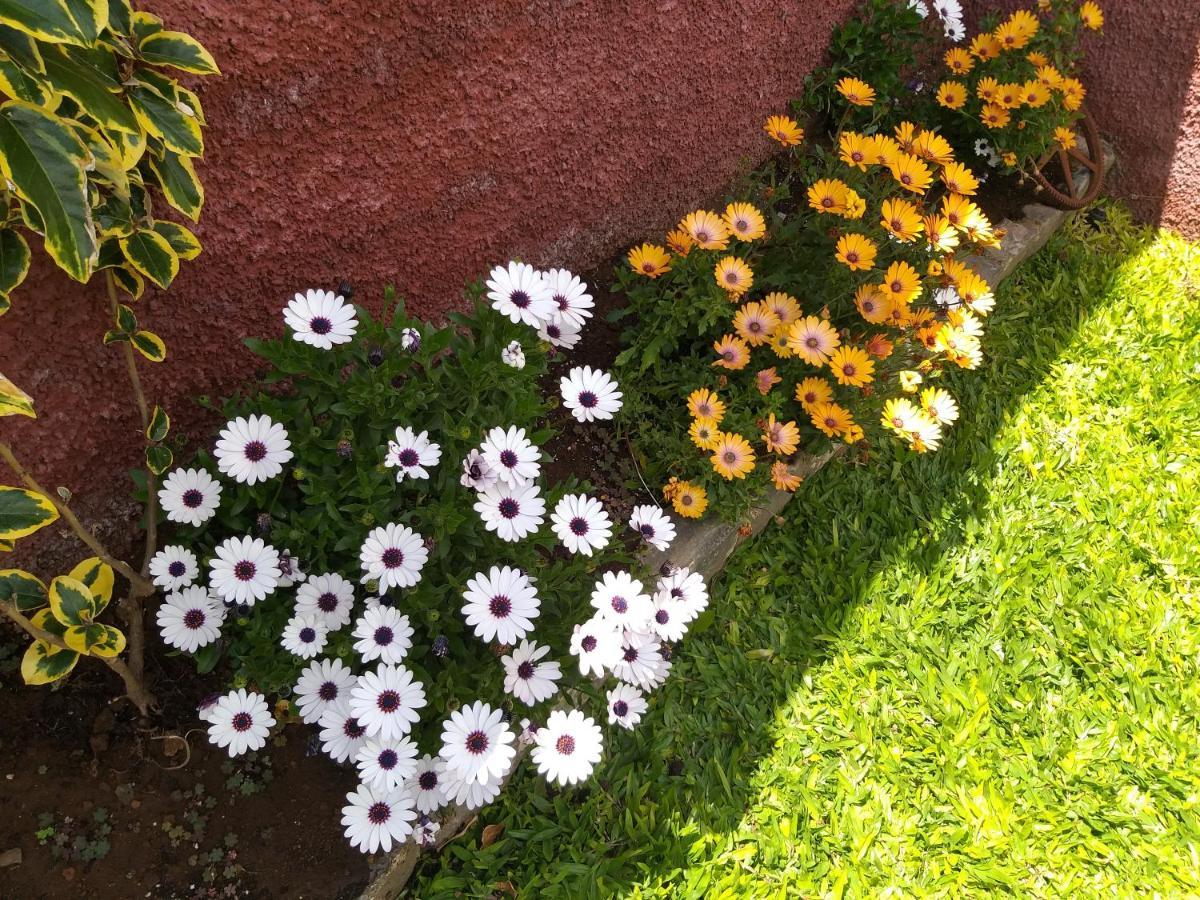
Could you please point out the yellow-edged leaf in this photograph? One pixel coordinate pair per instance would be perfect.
(47, 20)
(180, 186)
(14, 401)
(129, 281)
(93, 91)
(23, 589)
(43, 663)
(97, 576)
(159, 458)
(178, 50)
(71, 602)
(18, 84)
(185, 244)
(163, 119)
(14, 260)
(150, 345)
(129, 147)
(23, 512)
(95, 639)
(152, 255)
(160, 425)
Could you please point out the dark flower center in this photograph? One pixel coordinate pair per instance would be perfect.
(565, 745)
(812, 343)
(320, 325)
(520, 299)
(392, 558)
(427, 780)
(509, 508)
(383, 636)
(729, 457)
(244, 570)
(852, 256)
(409, 457)
(553, 331)
(647, 531)
(849, 369)
(587, 399)
(477, 742)
(827, 202)
(631, 654)
(242, 721)
(500, 606)
(255, 451)
(353, 730)
(588, 644)
(308, 635)
(379, 813)
(327, 602)
(620, 605)
(563, 303)
(327, 691)
(192, 498)
(676, 594)
(525, 670)
(508, 458)
(176, 569)
(662, 617)
(702, 237)
(621, 708)
(388, 702)
(647, 267)
(388, 759)
(579, 526)
(194, 618)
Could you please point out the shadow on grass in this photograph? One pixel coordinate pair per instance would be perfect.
(680, 784)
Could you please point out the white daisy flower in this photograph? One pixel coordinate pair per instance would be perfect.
(519, 292)
(955, 31)
(525, 678)
(573, 304)
(947, 297)
(190, 619)
(597, 643)
(625, 706)
(290, 571)
(374, 819)
(426, 784)
(304, 636)
(511, 455)
(513, 513)
(393, 555)
(567, 747)
(477, 474)
(477, 745)
(412, 454)
(174, 567)
(189, 496)
(342, 735)
(410, 340)
(470, 794)
(560, 334)
(244, 570)
(948, 10)
(383, 634)
(320, 319)
(323, 683)
(386, 701)
(501, 604)
(590, 394)
(426, 831)
(641, 661)
(385, 764)
(669, 620)
(252, 450)
(241, 722)
(513, 355)
(919, 7)
(654, 525)
(686, 588)
(206, 709)
(619, 597)
(329, 598)
(581, 523)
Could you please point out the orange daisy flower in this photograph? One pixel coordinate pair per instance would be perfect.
(732, 352)
(650, 260)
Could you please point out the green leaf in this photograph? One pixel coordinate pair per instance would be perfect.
(114, 336)
(185, 244)
(71, 601)
(90, 15)
(158, 458)
(95, 639)
(180, 186)
(120, 17)
(97, 576)
(43, 663)
(45, 160)
(126, 320)
(14, 260)
(23, 512)
(163, 119)
(27, 592)
(150, 345)
(151, 254)
(90, 90)
(18, 84)
(22, 48)
(108, 164)
(46, 20)
(160, 425)
(129, 281)
(14, 401)
(179, 50)
(144, 25)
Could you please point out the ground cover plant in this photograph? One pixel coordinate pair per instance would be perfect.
(961, 674)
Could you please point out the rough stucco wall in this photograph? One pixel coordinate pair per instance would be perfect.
(415, 143)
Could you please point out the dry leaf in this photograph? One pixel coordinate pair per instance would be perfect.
(491, 834)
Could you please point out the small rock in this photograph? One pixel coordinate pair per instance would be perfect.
(68, 873)
(10, 858)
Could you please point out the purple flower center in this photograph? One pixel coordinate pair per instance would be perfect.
(620, 605)
(327, 602)
(676, 594)
(241, 721)
(244, 570)
(388, 702)
(647, 531)
(308, 635)
(409, 458)
(662, 617)
(427, 780)
(194, 618)
(255, 451)
(579, 526)
(500, 606)
(192, 498)
(176, 569)
(379, 813)
(631, 654)
(587, 399)
(388, 759)
(384, 635)
(509, 508)
(553, 331)
(621, 708)
(477, 742)
(565, 745)
(525, 670)
(328, 691)
(563, 303)
(588, 643)
(353, 730)
(320, 325)
(392, 558)
(519, 299)
(508, 458)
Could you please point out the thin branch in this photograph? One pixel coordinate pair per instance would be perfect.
(140, 582)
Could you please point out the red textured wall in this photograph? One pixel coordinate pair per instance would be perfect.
(415, 143)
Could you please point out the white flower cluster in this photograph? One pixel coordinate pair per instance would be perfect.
(367, 718)
(949, 11)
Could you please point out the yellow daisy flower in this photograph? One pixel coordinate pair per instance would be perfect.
(703, 433)
(1010, 96)
(985, 47)
(1064, 137)
(732, 353)
(952, 94)
(705, 404)
(830, 418)
(828, 196)
(1091, 15)
(856, 91)
(939, 406)
(1072, 93)
(901, 284)
(932, 147)
(853, 150)
(987, 89)
(785, 306)
(1049, 77)
(901, 219)
(852, 366)
(856, 251)
(1035, 94)
(909, 381)
(1038, 59)
(855, 205)
(879, 346)
(680, 242)
(785, 130)
(765, 379)
(706, 230)
(781, 438)
(812, 391)
(959, 179)
(959, 61)
(689, 500)
(882, 149)
(732, 457)
(900, 415)
(872, 305)
(650, 260)
(976, 293)
(961, 212)
(906, 134)
(745, 221)
(733, 274)
(783, 477)
(940, 234)
(994, 116)
(813, 340)
(755, 323)
(911, 174)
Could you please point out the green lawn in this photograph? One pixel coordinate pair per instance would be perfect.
(971, 674)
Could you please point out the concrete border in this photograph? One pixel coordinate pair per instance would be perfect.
(705, 546)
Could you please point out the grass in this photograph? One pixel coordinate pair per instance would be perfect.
(972, 674)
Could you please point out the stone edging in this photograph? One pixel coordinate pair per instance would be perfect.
(705, 546)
